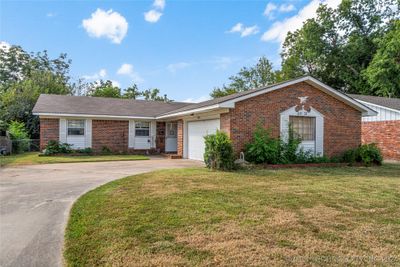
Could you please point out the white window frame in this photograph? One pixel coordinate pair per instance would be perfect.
(83, 127)
(319, 125)
(139, 126)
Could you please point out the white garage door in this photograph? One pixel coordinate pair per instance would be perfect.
(196, 132)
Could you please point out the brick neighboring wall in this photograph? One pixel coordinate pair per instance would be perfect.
(342, 123)
(49, 130)
(113, 134)
(386, 134)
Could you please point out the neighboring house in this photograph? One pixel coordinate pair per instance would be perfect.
(329, 122)
(384, 128)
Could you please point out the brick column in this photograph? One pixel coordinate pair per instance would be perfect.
(180, 138)
(225, 123)
(49, 130)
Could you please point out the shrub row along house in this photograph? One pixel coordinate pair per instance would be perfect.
(328, 121)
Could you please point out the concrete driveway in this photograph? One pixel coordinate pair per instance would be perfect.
(35, 202)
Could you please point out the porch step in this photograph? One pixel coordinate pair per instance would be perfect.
(172, 156)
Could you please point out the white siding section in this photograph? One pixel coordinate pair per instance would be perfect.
(131, 138)
(88, 133)
(318, 145)
(384, 114)
(76, 142)
(63, 130)
(153, 128)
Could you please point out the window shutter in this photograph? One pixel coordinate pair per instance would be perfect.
(284, 127)
(131, 138)
(88, 133)
(319, 135)
(63, 131)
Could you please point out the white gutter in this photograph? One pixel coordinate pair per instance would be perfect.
(92, 116)
(188, 112)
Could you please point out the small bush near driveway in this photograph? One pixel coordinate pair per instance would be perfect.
(218, 151)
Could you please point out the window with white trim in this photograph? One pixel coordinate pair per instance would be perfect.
(76, 127)
(142, 128)
(303, 127)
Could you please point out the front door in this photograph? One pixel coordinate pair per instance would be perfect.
(171, 134)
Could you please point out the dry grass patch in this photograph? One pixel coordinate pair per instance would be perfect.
(194, 217)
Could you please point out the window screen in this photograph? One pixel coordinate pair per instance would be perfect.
(142, 128)
(76, 127)
(304, 127)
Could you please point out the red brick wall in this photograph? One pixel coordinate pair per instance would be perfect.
(342, 124)
(225, 121)
(386, 134)
(110, 133)
(180, 138)
(49, 130)
(160, 136)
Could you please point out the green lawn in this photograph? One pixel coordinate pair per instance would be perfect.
(195, 217)
(33, 158)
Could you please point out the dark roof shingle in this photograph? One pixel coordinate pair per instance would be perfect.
(393, 103)
(62, 104)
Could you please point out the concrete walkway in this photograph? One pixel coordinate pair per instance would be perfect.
(35, 202)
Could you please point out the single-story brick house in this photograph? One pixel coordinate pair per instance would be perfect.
(328, 121)
(383, 128)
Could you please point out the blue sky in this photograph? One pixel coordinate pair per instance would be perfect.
(184, 48)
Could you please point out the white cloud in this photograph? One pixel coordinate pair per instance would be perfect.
(101, 74)
(160, 4)
(198, 99)
(155, 14)
(174, 67)
(278, 31)
(115, 83)
(4, 45)
(286, 8)
(269, 9)
(127, 70)
(152, 16)
(244, 31)
(108, 24)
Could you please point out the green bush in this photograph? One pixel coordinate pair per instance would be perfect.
(106, 150)
(367, 154)
(289, 150)
(19, 136)
(86, 150)
(219, 151)
(263, 148)
(55, 147)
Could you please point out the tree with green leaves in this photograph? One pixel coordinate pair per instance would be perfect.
(23, 77)
(383, 73)
(104, 89)
(132, 92)
(252, 77)
(338, 44)
(153, 94)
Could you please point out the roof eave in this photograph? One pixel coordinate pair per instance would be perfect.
(100, 116)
